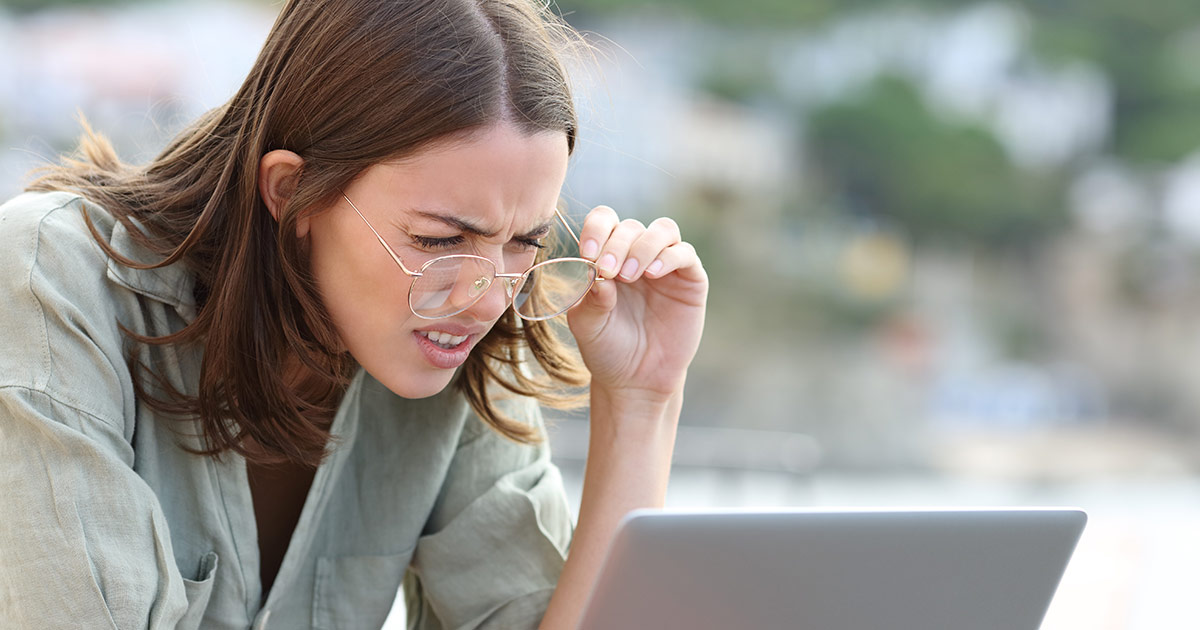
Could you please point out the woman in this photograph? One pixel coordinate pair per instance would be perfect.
(297, 358)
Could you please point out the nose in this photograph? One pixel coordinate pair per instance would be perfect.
(492, 304)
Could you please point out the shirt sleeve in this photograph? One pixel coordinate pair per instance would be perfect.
(83, 542)
(83, 539)
(498, 536)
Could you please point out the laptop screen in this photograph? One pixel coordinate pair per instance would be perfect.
(980, 569)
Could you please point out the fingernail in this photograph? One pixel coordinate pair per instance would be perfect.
(608, 263)
(654, 268)
(588, 250)
(629, 269)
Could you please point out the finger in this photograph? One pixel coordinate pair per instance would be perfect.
(680, 257)
(614, 251)
(659, 235)
(597, 226)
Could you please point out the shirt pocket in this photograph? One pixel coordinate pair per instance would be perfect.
(357, 592)
(198, 592)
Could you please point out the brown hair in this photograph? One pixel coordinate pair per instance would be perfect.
(345, 84)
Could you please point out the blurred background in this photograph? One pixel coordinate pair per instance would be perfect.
(954, 246)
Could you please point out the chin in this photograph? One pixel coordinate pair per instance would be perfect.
(413, 371)
(409, 383)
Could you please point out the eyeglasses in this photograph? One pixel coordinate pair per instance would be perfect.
(449, 285)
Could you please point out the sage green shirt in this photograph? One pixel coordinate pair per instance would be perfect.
(105, 522)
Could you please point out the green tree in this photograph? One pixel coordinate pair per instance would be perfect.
(885, 155)
(1156, 109)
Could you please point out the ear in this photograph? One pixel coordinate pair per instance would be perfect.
(278, 171)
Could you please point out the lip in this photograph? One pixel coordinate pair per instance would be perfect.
(443, 358)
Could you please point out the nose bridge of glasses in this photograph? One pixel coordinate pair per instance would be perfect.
(510, 284)
(481, 273)
(485, 302)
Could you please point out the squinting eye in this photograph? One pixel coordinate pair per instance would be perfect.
(529, 244)
(431, 242)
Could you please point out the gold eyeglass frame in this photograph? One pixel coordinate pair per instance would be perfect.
(483, 284)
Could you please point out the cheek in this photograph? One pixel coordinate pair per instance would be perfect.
(364, 293)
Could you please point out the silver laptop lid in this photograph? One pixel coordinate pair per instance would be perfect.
(924, 569)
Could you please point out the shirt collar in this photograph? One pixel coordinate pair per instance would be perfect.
(171, 284)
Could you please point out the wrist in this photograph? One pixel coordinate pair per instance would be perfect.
(630, 447)
(636, 402)
(631, 423)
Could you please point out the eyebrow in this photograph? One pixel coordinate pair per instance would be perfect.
(471, 228)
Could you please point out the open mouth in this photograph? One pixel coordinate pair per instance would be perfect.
(443, 339)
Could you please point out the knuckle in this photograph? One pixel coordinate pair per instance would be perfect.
(600, 220)
(604, 211)
(666, 223)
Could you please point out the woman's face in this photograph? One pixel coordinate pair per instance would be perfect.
(491, 193)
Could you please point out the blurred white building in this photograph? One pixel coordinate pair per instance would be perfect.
(137, 72)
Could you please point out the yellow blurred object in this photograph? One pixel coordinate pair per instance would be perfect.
(874, 266)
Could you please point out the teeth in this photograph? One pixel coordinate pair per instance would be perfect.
(443, 339)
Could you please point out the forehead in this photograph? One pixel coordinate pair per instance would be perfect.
(499, 179)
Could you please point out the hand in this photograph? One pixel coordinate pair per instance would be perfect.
(639, 328)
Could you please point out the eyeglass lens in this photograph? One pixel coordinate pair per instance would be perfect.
(553, 287)
(452, 284)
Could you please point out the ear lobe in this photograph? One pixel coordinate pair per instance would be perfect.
(278, 172)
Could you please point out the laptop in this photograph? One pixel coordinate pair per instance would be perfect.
(823, 569)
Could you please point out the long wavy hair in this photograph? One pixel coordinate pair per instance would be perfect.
(345, 84)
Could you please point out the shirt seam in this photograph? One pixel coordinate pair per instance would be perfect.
(319, 595)
(251, 610)
(47, 364)
(53, 398)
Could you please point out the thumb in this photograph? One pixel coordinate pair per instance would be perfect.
(590, 316)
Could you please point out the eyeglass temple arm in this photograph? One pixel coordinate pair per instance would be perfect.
(391, 253)
(570, 231)
(563, 219)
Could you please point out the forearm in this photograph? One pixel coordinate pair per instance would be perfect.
(629, 461)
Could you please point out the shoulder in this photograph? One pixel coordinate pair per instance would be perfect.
(58, 208)
(31, 207)
(53, 284)
(46, 226)
(47, 251)
(46, 243)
